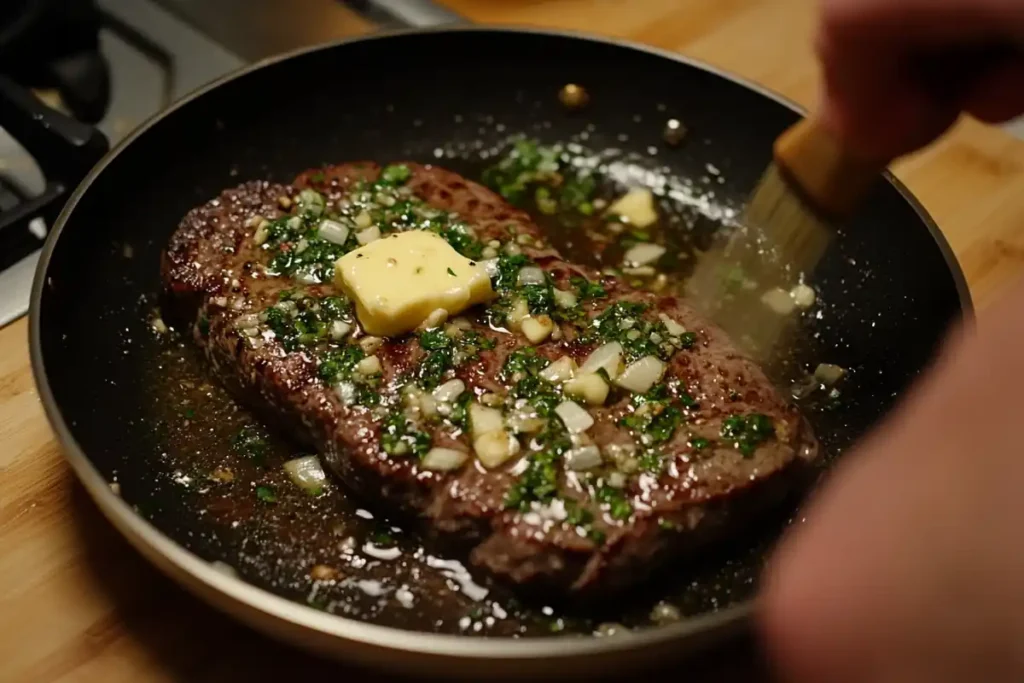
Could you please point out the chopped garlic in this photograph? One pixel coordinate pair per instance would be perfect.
(560, 370)
(495, 448)
(537, 329)
(590, 388)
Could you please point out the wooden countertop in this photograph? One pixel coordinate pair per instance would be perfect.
(78, 604)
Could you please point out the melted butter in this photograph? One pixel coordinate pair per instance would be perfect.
(401, 280)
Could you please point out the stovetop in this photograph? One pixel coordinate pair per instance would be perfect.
(160, 50)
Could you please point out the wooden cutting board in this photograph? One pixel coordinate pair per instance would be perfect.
(77, 604)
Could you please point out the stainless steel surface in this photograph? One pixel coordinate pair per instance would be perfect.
(255, 29)
(138, 92)
(408, 13)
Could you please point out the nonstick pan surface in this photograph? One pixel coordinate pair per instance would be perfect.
(132, 407)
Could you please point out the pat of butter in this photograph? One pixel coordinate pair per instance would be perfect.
(398, 281)
(636, 206)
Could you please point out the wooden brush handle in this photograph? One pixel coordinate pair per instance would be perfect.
(833, 178)
(830, 177)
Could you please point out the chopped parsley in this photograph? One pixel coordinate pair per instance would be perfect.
(747, 432)
(540, 480)
(303, 320)
(266, 494)
(619, 507)
(445, 353)
(586, 290)
(395, 174)
(539, 298)
(540, 393)
(523, 361)
(623, 322)
(383, 538)
(251, 444)
(337, 365)
(508, 272)
(556, 184)
(451, 272)
(699, 443)
(658, 420)
(400, 437)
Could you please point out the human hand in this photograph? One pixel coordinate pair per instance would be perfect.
(910, 565)
(874, 96)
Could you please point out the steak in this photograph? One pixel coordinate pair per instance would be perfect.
(697, 456)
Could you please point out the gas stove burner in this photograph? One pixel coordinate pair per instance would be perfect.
(54, 44)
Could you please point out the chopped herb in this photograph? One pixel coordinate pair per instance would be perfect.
(337, 365)
(266, 494)
(460, 411)
(318, 177)
(558, 185)
(667, 524)
(651, 462)
(623, 322)
(204, 325)
(434, 339)
(586, 289)
(451, 272)
(523, 361)
(539, 298)
(395, 174)
(619, 507)
(688, 339)
(699, 443)
(251, 444)
(541, 394)
(540, 480)
(658, 421)
(747, 432)
(382, 538)
(508, 272)
(400, 437)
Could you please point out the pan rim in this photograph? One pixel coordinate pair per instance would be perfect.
(201, 576)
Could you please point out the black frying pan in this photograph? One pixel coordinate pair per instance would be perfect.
(890, 289)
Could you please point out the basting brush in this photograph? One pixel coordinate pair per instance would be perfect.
(751, 281)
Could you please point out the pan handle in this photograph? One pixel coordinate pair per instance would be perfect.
(406, 13)
(64, 149)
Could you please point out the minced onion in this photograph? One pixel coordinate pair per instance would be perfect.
(444, 459)
(779, 301)
(672, 327)
(560, 370)
(590, 387)
(306, 473)
(643, 254)
(449, 391)
(640, 376)
(339, 328)
(803, 295)
(494, 448)
(565, 299)
(490, 266)
(583, 458)
(332, 231)
(575, 418)
(368, 235)
(607, 357)
(531, 275)
(829, 374)
(368, 366)
(483, 420)
(538, 328)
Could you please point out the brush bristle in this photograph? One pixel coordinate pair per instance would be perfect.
(780, 239)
